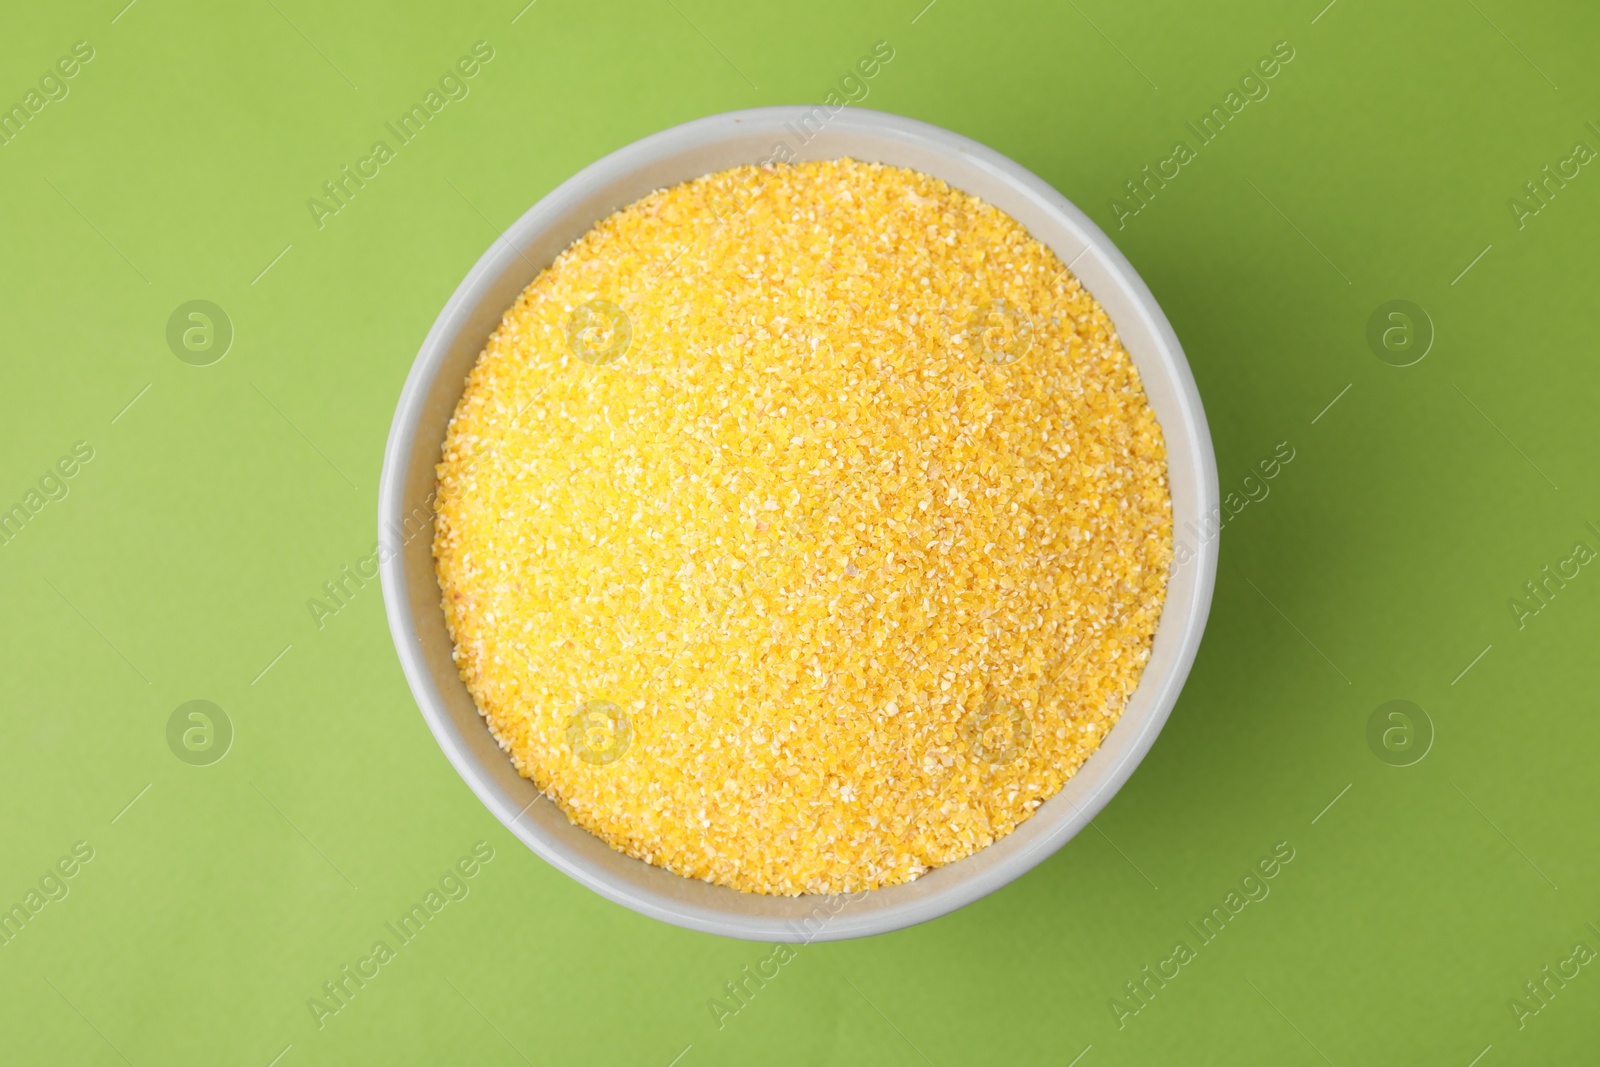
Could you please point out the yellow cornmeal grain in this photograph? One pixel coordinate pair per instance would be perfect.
(837, 552)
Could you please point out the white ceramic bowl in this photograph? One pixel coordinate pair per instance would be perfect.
(411, 590)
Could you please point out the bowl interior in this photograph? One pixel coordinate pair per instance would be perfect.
(436, 382)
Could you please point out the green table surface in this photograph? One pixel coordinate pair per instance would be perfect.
(1437, 910)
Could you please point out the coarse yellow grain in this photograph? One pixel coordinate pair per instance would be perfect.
(803, 528)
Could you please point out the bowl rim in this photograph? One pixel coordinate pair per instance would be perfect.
(954, 892)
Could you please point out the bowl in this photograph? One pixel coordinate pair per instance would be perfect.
(437, 380)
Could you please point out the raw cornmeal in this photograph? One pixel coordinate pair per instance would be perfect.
(803, 527)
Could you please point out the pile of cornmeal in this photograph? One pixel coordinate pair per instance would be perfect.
(803, 527)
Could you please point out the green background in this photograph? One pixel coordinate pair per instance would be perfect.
(1378, 568)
